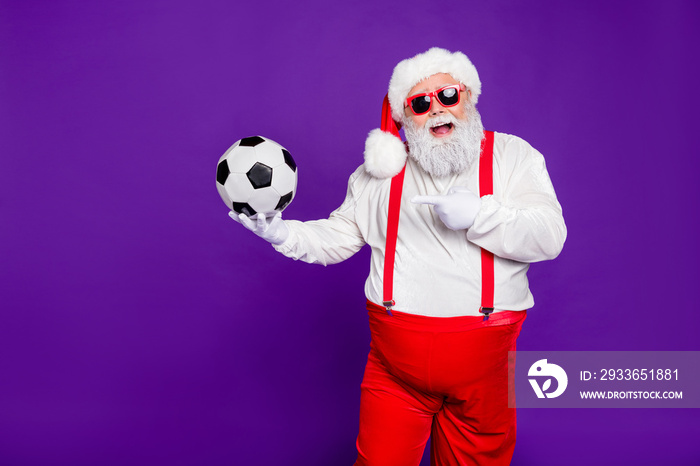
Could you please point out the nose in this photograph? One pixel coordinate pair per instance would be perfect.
(436, 108)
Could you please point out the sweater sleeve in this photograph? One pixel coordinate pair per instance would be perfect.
(523, 220)
(327, 241)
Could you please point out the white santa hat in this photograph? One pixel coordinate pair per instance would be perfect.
(385, 154)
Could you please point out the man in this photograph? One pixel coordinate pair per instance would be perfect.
(447, 289)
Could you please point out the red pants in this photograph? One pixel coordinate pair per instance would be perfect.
(441, 376)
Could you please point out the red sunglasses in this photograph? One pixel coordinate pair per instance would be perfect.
(448, 96)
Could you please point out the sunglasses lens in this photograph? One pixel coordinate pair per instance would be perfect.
(449, 97)
(421, 104)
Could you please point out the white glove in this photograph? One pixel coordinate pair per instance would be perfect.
(457, 209)
(272, 230)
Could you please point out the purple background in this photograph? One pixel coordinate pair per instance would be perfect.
(141, 326)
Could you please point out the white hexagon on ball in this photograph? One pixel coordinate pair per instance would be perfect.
(264, 200)
(241, 158)
(238, 187)
(284, 179)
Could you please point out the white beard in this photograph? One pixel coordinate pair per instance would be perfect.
(443, 157)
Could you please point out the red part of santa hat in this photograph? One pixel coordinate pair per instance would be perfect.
(385, 154)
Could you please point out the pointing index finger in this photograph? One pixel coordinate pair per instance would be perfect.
(431, 200)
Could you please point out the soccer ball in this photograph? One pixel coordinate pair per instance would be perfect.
(256, 175)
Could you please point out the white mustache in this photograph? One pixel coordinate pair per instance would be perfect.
(442, 120)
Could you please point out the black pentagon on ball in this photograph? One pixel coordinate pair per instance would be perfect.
(222, 172)
(260, 175)
(284, 201)
(251, 141)
(289, 160)
(243, 208)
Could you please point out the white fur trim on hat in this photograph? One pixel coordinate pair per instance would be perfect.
(385, 154)
(411, 71)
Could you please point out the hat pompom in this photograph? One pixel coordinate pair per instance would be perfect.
(385, 154)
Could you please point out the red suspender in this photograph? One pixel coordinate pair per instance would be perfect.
(485, 187)
(392, 230)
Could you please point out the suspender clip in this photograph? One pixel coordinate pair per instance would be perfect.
(388, 305)
(486, 311)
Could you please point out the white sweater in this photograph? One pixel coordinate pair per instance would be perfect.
(437, 270)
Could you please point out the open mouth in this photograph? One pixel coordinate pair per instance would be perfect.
(441, 130)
